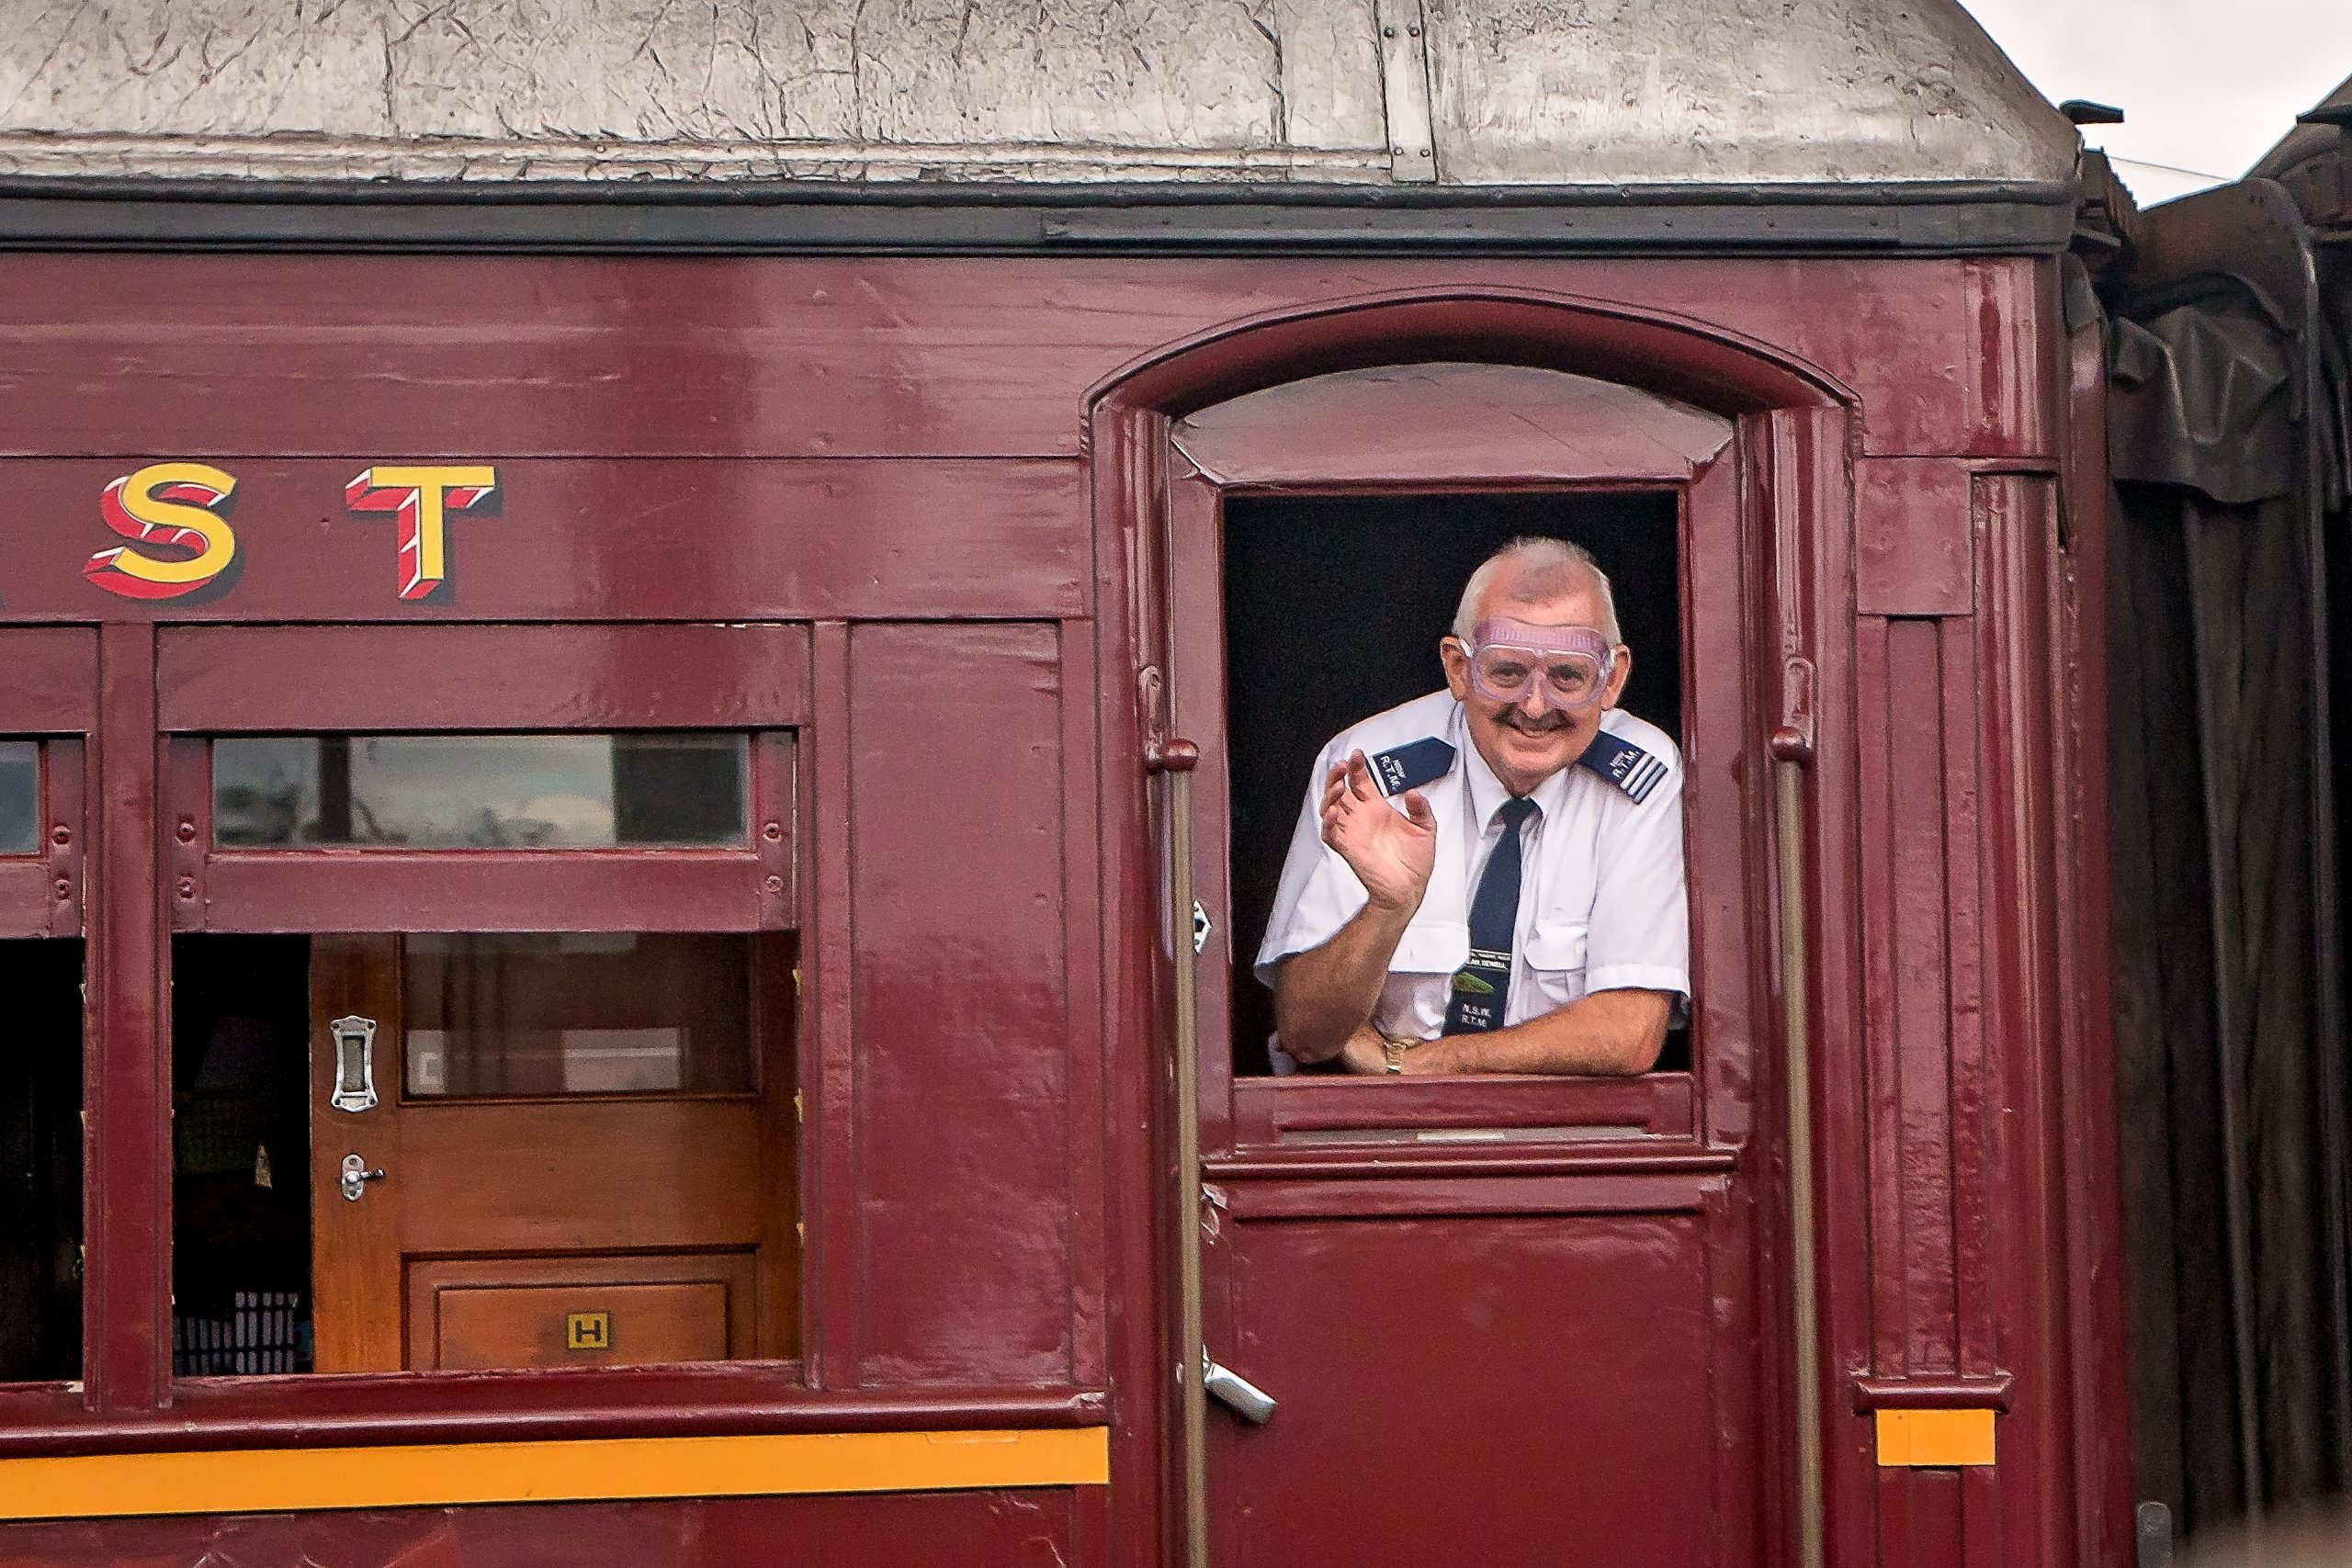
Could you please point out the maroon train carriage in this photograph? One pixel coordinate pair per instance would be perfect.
(654, 666)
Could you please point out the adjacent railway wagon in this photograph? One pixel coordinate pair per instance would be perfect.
(653, 666)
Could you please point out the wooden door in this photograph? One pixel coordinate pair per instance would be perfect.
(579, 1152)
(1504, 1320)
(547, 881)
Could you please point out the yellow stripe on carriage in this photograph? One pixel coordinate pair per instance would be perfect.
(244, 1481)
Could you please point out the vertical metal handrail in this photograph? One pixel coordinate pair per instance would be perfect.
(1792, 748)
(1177, 759)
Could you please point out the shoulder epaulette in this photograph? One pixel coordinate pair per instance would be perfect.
(1411, 765)
(1625, 764)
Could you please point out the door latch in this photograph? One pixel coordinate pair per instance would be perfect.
(355, 1177)
(354, 1065)
(1236, 1393)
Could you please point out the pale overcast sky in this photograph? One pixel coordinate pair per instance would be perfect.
(2209, 84)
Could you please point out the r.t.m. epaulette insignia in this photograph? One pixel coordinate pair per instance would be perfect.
(1625, 764)
(1411, 765)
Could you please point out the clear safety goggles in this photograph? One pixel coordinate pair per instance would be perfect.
(1557, 667)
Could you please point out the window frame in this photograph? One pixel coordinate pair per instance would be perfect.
(166, 689)
(1307, 438)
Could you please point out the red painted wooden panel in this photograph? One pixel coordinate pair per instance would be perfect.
(127, 1298)
(592, 540)
(1907, 997)
(901, 357)
(2012, 380)
(222, 680)
(960, 1004)
(716, 1399)
(49, 678)
(1510, 1390)
(1914, 528)
(478, 890)
(953, 1529)
(1268, 1110)
(26, 899)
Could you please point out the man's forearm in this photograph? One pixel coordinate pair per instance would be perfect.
(1616, 1033)
(1325, 994)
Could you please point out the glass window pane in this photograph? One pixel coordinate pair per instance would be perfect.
(19, 798)
(40, 1162)
(564, 792)
(594, 1013)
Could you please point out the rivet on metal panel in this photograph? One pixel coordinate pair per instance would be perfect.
(64, 887)
(771, 831)
(186, 832)
(186, 887)
(1405, 92)
(776, 884)
(61, 835)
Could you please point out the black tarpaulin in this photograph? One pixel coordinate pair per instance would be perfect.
(2235, 1124)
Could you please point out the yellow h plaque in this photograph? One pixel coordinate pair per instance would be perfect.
(588, 1331)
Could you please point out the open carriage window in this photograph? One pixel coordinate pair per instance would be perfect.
(40, 1158)
(1334, 609)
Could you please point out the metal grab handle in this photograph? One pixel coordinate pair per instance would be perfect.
(1236, 1393)
(1791, 750)
(1177, 759)
(355, 1065)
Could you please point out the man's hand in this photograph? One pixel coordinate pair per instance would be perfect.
(1365, 1051)
(1391, 854)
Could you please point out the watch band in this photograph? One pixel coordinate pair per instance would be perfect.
(1394, 1050)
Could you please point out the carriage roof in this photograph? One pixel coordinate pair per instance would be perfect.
(834, 93)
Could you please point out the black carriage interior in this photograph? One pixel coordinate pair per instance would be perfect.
(1322, 630)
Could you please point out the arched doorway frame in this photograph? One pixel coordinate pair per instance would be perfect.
(1795, 428)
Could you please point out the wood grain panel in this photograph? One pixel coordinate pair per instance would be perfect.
(476, 1314)
(599, 1176)
(960, 998)
(592, 540)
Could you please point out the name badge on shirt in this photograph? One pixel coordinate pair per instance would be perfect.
(1411, 765)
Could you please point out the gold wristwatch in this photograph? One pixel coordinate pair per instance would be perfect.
(1394, 1050)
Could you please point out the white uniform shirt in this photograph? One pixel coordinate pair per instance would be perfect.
(1602, 901)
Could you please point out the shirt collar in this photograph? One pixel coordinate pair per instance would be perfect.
(1487, 792)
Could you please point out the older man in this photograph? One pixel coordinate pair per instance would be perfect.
(1488, 879)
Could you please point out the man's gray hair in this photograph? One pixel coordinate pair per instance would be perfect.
(1540, 570)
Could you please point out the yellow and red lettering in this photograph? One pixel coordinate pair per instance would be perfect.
(423, 496)
(180, 506)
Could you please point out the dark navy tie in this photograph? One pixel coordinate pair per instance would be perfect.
(1482, 986)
